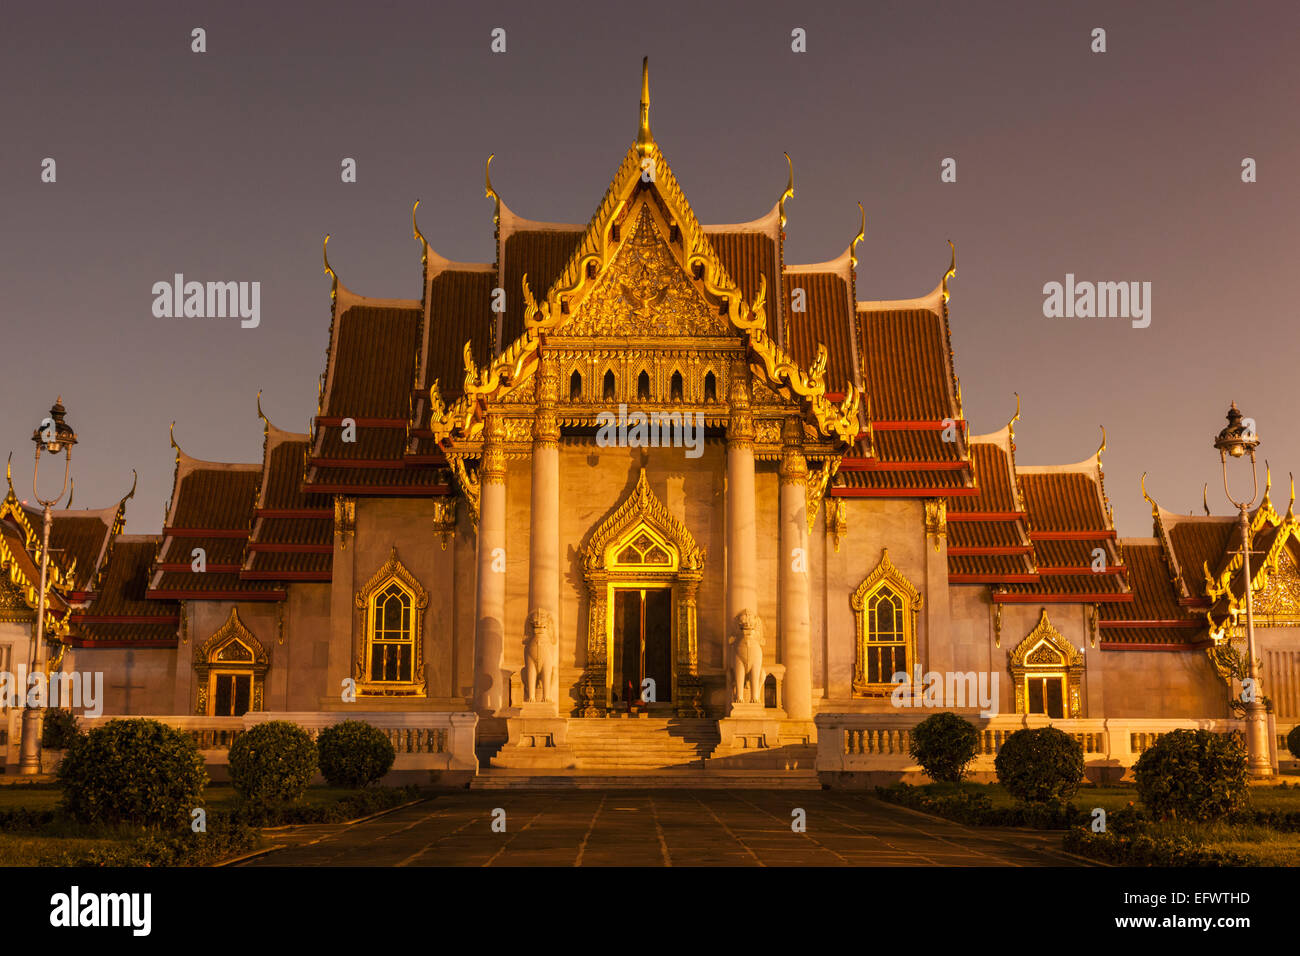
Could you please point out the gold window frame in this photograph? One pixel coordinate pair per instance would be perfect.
(884, 575)
(207, 665)
(1030, 659)
(392, 572)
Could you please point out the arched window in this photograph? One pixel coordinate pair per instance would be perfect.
(675, 387)
(230, 669)
(643, 387)
(609, 386)
(885, 606)
(390, 659)
(710, 388)
(392, 636)
(575, 386)
(1048, 673)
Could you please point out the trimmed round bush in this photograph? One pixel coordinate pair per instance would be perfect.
(944, 744)
(1040, 766)
(132, 771)
(1293, 741)
(272, 763)
(58, 728)
(1192, 775)
(354, 754)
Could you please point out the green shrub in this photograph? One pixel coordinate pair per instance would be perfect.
(1192, 775)
(944, 744)
(272, 763)
(354, 754)
(1293, 741)
(132, 771)
(58, 728)
(1040, 766)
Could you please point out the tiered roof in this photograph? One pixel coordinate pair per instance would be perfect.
(292, 537)
(211, 509)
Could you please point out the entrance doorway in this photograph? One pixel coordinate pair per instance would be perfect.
(642, 645)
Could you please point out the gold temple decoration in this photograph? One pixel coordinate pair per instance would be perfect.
(952, 271)
(789, 190)
(605, 235)
(997, 621)
(233, 649)
(468, 484)
(444, 519)
(884, 588)
(936, 521)
(392, 582)
(419, 236)
(489, 192)
(1046, 653)
(329, 270)
(837, 520)
(1093, 614)
(345, 520)
(862, 234)
(678, 564)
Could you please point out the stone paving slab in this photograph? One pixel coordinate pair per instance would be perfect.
(661, 828)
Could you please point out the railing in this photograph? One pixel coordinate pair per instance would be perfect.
(433, 741)
(879, 742)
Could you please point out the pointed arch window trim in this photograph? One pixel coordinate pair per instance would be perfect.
(233, 653)
(1045, 653)
(390, 633)
(886, 610)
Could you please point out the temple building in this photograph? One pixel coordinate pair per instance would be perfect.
(788, 511)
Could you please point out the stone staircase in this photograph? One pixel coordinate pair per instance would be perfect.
(650, 752)
(641, 743)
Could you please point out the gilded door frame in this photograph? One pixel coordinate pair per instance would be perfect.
(642, 510)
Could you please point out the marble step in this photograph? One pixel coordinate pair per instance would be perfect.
(662, 778)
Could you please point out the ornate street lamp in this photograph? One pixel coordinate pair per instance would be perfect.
(1239, 440)
(52, 435)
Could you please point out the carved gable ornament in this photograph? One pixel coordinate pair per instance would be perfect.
(1278, 601)
(645, 292)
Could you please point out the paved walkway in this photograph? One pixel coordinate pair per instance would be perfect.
(659, 828)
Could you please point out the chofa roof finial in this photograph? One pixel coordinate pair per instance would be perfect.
(329, 270)
(789, 190)
(644, 139)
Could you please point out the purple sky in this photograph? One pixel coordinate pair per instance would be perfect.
(1122, 166)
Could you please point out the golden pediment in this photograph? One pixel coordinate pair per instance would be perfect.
(645, 292)
(1279, 598)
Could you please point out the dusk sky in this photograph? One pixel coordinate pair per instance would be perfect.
(1122, 166)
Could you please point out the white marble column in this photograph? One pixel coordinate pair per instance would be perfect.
(544, 529)
(795, 630)
(742, 535)
(491, 691)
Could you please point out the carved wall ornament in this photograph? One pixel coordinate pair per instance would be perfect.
(936, 521)
(345, 520)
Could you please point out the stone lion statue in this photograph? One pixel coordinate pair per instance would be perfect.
(747, 658)
(541, 653)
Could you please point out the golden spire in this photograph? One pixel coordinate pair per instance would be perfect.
(1102, 446)
(1290, 508)
(862, 234)
(644, 139)
(491, 193)
(329, 271)
(1155, 508)
(266, 422)
(1011, 425)
(789, 190)
(9, 474)
(130, 494)
(424, 243)
(171, 436)
(952, 271)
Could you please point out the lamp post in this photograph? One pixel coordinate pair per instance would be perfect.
(1239, 440)
(52, 435)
